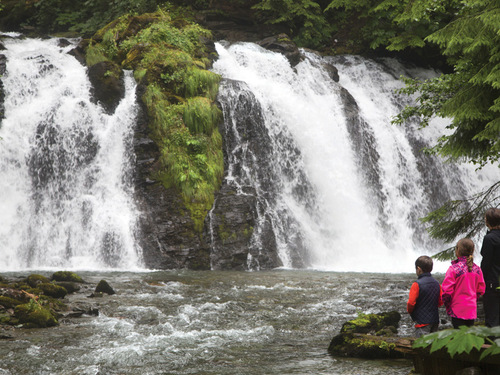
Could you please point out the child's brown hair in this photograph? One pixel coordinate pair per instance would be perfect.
(425, 263)
(465, 248)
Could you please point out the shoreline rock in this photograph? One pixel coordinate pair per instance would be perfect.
(39, 302)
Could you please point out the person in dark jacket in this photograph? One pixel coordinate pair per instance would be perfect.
(425, 298)
(490, 265)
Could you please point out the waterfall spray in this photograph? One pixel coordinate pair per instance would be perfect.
(367, 181)
(65, 166)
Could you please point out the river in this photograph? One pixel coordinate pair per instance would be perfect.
(196, 322)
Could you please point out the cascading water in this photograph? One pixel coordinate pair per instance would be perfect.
(352, 184)
(65, 166)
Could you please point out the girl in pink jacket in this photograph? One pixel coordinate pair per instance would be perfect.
(462, 285)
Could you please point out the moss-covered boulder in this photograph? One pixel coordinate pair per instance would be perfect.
(371, 336)
(34, 280)
(69, 286)
(34, 315)
(67, 276)
(53, 290)
(8, 302)
(372, 323)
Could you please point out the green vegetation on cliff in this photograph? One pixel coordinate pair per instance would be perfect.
(166, 52)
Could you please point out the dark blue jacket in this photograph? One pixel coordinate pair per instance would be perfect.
(426, 307)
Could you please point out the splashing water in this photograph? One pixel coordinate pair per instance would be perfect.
(367, 180)
(65, 166)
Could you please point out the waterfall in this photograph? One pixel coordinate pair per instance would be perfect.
(65, 166)
(346, 183)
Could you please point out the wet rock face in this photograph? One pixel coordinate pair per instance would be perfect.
(167, 235)
(231, 225)
(282, 43)
(166, 230)
(3, 68)
(107, 84)
(370, 336)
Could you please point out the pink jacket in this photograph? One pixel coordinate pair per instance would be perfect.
(461, 289)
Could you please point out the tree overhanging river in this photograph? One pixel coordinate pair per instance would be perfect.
(187, 322)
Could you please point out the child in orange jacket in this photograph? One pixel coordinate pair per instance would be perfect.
(425, 298)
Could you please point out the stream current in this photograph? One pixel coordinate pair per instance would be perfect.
(187, 322)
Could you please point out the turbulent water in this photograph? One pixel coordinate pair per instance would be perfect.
(252, 323)
(65, 182)
(345, 182)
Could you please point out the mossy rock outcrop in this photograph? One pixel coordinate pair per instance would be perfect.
(67, 276)
(36, 301)
(371, 336)
(8, 302)
(372, 323)
(33, 315)
(34, 280)
(53, 290)
(70, 287)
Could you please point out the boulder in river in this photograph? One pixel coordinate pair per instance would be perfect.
(371, 336)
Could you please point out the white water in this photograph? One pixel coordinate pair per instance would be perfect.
(346, 231)
(65, 166)
(66, 194)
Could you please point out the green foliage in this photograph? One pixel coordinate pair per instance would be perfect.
(304, 18)
(201, 115)
(395, 24)
(200, 82)
(83, 17)
(461, 218)
(168, 54)
(470, 98)
(463, 340)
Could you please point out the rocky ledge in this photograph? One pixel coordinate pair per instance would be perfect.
(38, 302)
(371, 336)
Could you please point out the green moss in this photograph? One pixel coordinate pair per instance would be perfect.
(372, 345)
(53, 304)
(95, 54)
(365, 323)
(166, 51)
(53, 290)
(8, 302)
(34, 279)
(33, 315)
(139, 74)
(67, 276)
